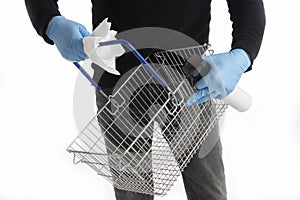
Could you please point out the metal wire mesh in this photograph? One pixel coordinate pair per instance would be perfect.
(144, 135)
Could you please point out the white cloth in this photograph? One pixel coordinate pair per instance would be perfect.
(103, 56)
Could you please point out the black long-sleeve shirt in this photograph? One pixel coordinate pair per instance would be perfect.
(190, 17)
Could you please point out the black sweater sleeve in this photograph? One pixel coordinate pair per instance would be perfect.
(40, 12)
(248, 17)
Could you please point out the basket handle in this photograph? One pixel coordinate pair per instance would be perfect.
(137, 55)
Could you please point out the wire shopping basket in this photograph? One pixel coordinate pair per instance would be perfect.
(144, 136)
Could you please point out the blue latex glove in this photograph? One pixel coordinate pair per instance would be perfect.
(67, 36)
(226, 70)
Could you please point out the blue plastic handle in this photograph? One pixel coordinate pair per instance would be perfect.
(87, 76)
(137, 55)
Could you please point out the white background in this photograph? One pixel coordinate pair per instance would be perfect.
(261, 147)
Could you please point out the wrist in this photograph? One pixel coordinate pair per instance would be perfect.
(52, 25)
(243, 57)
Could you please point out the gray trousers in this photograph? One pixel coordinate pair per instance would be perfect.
(203, 178)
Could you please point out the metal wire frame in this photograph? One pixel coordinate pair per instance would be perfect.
(144, 135)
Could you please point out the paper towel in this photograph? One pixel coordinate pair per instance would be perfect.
(103, 56)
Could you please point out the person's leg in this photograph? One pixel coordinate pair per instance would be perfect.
(128, 195)
(119, 194)
(204, 177)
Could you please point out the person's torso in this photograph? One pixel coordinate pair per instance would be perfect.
(189, 17)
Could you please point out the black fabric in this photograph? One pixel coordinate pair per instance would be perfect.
(40, 13)
(248, 19)
(190, 17)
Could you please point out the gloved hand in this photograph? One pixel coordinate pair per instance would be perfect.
(226, 70)
(67, 36)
